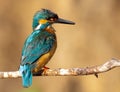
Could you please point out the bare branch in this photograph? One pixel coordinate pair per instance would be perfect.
(69, 72)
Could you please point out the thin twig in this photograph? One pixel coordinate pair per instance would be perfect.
(95, 70)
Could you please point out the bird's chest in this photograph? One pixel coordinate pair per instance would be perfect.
(43, 60)
(50, 29)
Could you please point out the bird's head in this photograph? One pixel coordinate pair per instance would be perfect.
(44, 18)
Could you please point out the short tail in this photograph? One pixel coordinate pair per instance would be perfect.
(26, 75)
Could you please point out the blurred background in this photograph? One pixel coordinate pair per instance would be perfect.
(92, 41)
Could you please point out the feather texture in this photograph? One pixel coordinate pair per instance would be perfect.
(36, 45)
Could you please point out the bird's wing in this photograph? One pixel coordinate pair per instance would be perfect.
(36, 45)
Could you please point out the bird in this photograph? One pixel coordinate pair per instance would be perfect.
(40, 45)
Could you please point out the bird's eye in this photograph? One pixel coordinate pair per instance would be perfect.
(51, 19)
(54, 18)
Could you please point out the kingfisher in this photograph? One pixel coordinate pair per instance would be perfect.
(40, 45)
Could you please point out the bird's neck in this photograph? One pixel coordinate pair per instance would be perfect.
(50, 29)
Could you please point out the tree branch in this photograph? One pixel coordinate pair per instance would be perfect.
(68, 72)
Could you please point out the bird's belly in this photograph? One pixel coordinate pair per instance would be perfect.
(43, 60)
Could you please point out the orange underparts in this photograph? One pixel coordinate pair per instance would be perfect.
(50, 30)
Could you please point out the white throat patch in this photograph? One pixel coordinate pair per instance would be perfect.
(38, 27)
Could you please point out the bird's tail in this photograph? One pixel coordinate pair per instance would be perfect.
(26, 73)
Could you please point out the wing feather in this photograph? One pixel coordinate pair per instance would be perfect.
(37, 44)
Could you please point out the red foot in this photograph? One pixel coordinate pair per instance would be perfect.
(45, 68)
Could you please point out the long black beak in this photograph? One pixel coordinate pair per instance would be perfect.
(63, 21)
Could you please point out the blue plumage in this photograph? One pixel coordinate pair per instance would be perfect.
(35, 46)
(40, 45)
(26, 75)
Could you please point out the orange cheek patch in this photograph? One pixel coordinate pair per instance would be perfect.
(43, 21)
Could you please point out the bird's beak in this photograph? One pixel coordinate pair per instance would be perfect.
(63, 21)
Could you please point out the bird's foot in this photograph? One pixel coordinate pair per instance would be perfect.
(45, 69)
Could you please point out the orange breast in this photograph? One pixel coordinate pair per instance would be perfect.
(43, 60)
(50, 29)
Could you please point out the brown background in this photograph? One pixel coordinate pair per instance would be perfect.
(92, 41)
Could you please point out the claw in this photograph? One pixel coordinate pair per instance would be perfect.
(96, 75)
(45, 68)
